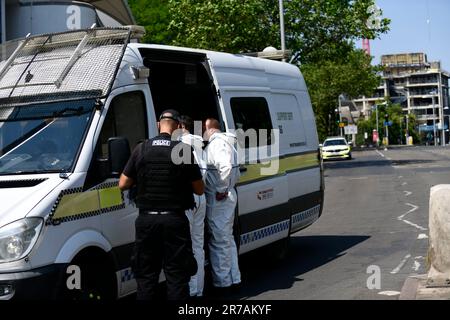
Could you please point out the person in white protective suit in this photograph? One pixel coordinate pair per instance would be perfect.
(196, 216)
(221, 176)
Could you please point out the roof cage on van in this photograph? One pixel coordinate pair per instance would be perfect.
(271, 53)
(73, 61)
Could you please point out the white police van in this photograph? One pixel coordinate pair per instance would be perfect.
(73, 104)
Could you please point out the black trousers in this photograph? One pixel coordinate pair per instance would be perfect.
(163, 242)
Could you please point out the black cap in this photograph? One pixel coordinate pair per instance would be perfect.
(175, 115)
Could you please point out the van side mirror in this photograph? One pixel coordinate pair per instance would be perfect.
(118, 155)
(320, 145)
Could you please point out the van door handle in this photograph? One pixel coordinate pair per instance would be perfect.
(243, 169)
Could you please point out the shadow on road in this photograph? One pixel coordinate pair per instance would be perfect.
(372, 163)
(306, 253)
(409, 162)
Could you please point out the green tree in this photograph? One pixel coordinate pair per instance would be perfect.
(397, 131)
(316, 30)
(154, 16)
(225, 25)
(326, 80)
(319, 30)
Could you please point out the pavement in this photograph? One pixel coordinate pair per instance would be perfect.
(420, 288)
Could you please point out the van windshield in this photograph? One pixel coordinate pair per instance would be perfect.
(42, 138)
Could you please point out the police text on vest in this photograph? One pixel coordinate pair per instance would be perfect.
(159, 143)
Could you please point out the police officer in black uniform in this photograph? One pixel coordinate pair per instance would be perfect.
(165, 188)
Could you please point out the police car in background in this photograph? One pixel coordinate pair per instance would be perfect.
(336, 148)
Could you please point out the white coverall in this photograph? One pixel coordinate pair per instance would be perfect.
(196, 218)
(221, 176)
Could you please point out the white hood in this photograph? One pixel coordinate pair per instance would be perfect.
(17, 202)
(225, 136)
(197, 144)
(193, 140)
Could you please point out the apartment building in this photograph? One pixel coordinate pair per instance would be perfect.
(419, 86)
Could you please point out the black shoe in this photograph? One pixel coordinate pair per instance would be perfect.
(221, 293)
(196, 298)
(236, 288)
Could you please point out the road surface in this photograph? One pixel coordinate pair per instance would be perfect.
(375, 219)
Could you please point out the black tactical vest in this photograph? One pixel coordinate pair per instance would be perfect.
(162, 185)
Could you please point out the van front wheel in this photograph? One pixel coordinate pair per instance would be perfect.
(97, 281)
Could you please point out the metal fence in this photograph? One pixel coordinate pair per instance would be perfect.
(63, 66)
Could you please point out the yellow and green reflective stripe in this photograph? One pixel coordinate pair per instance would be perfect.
(286, 164)
(110, 197)
(88, 202)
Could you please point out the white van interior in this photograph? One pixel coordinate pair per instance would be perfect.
(181, 81)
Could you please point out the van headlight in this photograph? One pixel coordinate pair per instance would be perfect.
(18, 238)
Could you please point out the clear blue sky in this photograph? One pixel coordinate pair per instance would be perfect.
(416, 26)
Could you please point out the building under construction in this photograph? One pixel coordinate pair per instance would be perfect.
(21, 17)
(420, 87)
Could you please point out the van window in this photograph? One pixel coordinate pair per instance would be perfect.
(252, 113)
(289, 120)
(126, 118)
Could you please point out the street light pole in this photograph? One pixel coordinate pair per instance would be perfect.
(446, 108)
(434, 121)
(442, 122)
(387, 133)
(283, 41)
(340, 118)
(378, 132)
(407, 129)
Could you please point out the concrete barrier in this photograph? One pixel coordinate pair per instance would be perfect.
(439, 245)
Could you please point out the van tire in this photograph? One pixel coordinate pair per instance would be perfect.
(98, 280)
(279, 250)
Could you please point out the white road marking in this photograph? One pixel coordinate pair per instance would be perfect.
(401, 265)
(419, 258)
(389, 293)
(380, 153)
(359, 178)
(415, 225)
(389, 158)
(400, 177)
(414, 208)
(407, 193)
(404, 183)
(422, 236)
(416, 266)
